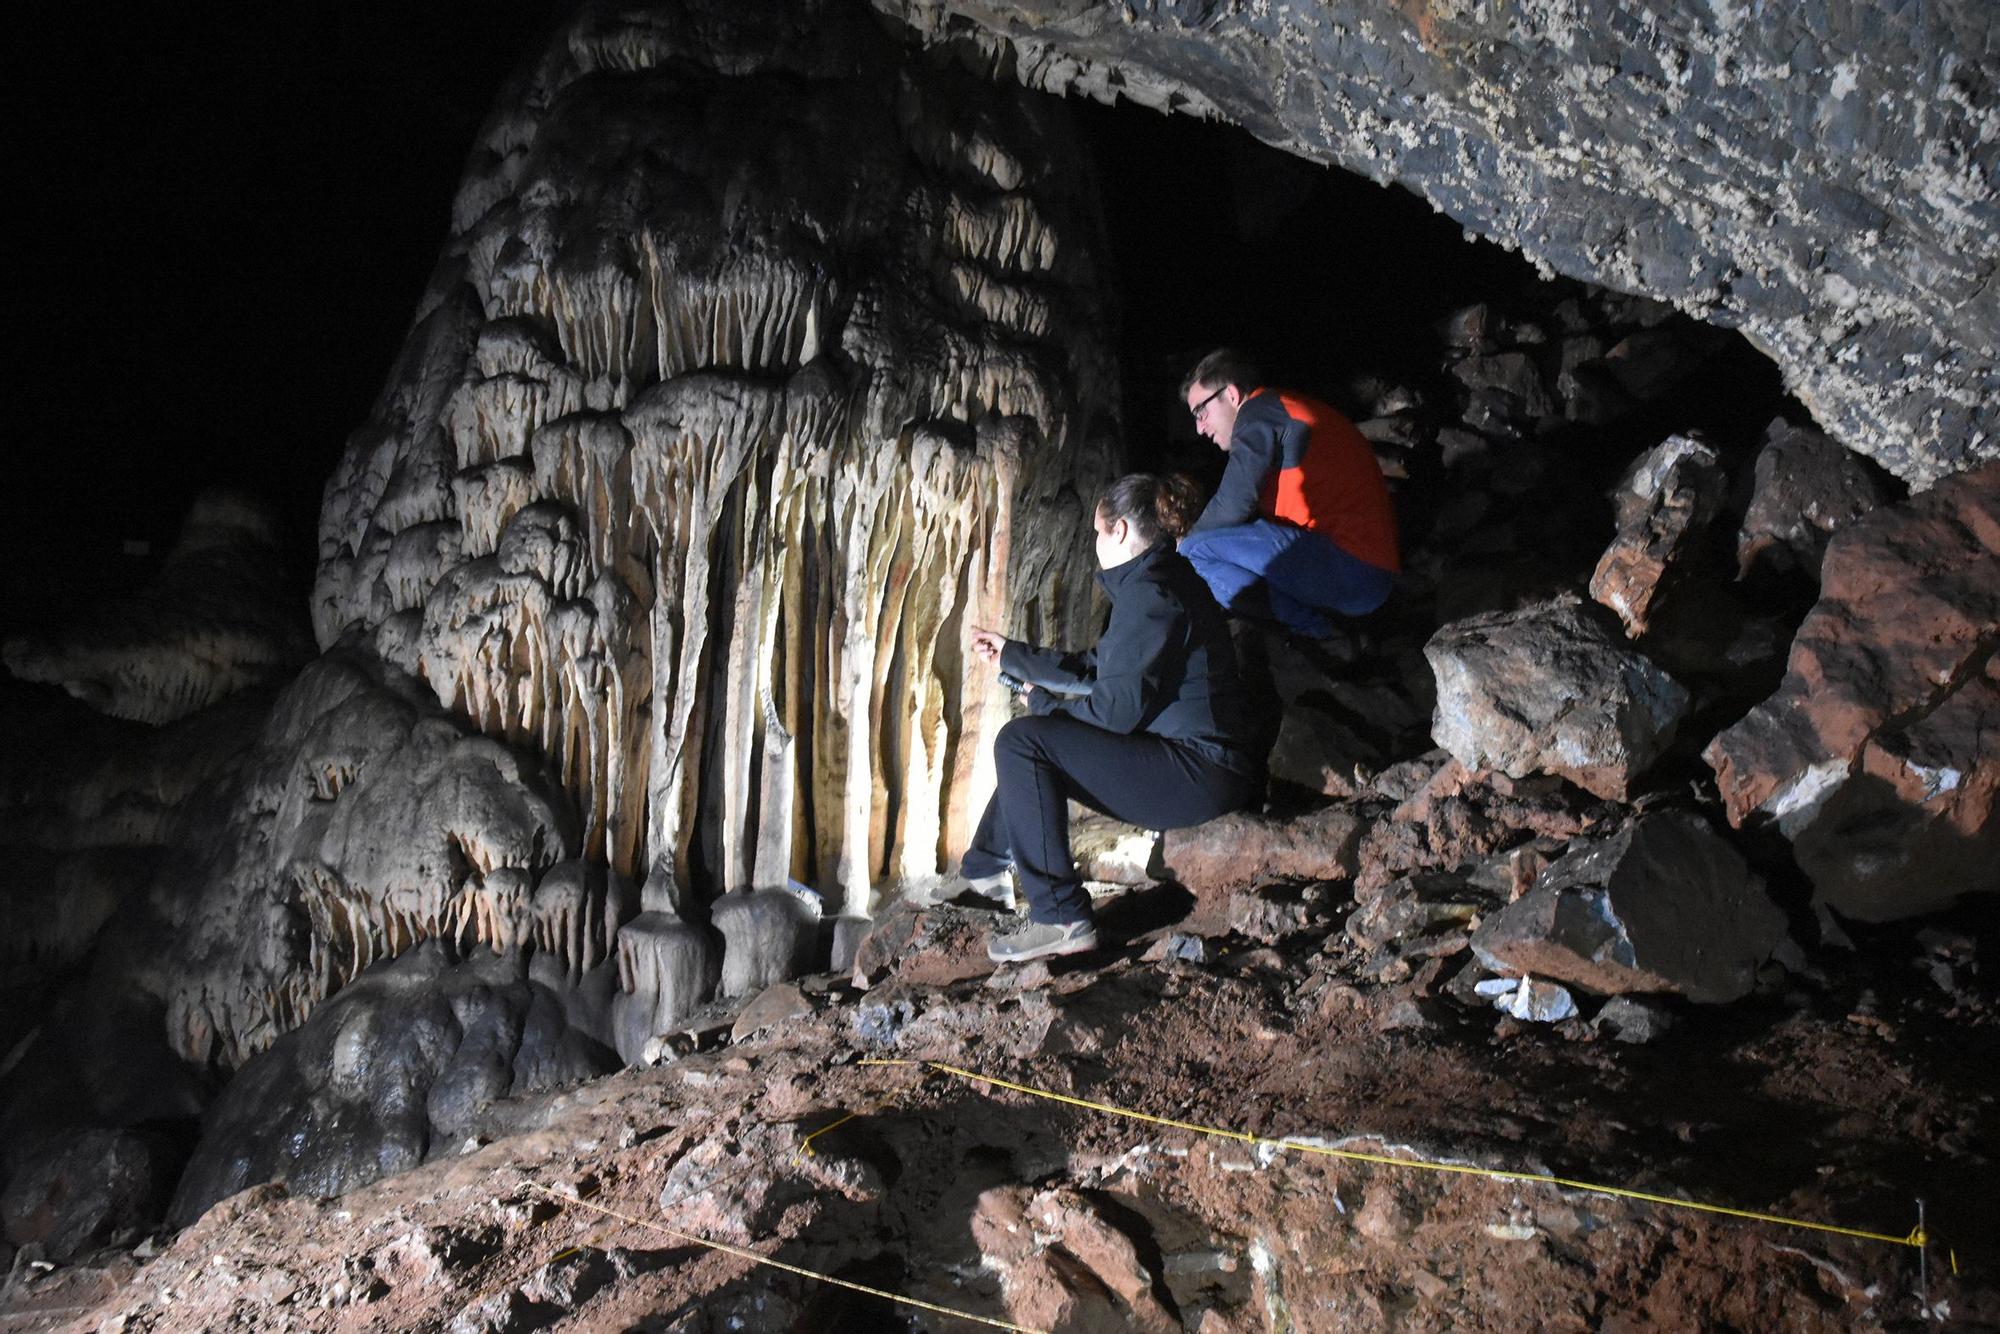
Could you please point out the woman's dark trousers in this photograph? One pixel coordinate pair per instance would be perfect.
(1045, 762)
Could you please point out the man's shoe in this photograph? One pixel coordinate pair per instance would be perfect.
(1039, 940)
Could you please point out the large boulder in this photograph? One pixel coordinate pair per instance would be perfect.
(1551, 689)
(396, 1067)
(1913, 826)
(1664, 905)
(1877, 755)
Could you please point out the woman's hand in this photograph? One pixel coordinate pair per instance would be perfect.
(986, 644)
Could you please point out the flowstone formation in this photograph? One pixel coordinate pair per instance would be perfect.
(762, 364)
(1819, 175)
(361, 822)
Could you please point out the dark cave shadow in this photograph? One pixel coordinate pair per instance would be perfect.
(914, 1240)
(1696, 1123)
(1136, 913)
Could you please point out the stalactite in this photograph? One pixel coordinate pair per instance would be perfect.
(953, 139)
(489, 496)
(417, 558)
(1018, 308)
(582, 460)
(1006, 232)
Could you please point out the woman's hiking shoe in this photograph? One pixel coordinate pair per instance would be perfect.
(998, 887)
(1038, 940)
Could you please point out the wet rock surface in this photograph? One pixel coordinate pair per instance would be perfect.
(397, 1068)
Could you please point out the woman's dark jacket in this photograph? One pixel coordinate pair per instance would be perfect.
(1165, 664)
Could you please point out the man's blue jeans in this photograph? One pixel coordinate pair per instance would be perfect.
(1303, 574)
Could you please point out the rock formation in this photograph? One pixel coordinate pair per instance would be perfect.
(219, 617)
(1806, 487)
(1821, 176)
(362, 822)
(1878, 755)
(1665, 505)
(397, 1066)
(708, 448)
(1664, 905)
(766, 357)
(1550, 690)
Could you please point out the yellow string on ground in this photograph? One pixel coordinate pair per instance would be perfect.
(1915, 1237)
(752, 1256)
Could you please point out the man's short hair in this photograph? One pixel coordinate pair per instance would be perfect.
(1223, 366)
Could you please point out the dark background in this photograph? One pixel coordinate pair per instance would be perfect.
(227, 214)
(230, 214)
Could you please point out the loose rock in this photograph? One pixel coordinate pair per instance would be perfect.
(1666, 502)
(1549, 689)
(1807, 488)
(1864, 757)
(1664, 905)
(1244, 849)
(1629, 1019)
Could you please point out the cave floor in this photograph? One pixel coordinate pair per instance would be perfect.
(1839, 1096)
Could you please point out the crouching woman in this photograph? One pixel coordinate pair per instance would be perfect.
(1149, 726)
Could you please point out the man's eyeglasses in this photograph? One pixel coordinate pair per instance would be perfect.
(1202, 406)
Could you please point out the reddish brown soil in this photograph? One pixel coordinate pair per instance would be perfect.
(1842, 1098)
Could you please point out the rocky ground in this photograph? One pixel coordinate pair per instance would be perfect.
(1842, 1092)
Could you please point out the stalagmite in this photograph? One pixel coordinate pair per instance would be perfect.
(216, 619)
(665, 969)
(768, 935)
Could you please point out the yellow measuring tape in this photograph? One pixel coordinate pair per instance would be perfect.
(1915, 1237)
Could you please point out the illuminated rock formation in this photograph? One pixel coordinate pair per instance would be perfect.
(360, 823)
(762, 363)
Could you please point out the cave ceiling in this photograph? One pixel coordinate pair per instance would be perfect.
(1819, 175)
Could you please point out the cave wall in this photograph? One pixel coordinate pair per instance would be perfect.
(1819, 175)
